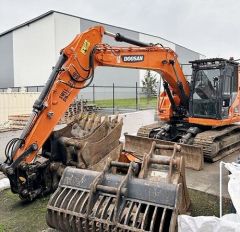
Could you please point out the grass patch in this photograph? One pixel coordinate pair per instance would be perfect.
(206, 204)
(17, 215)
(2, 228)
(127, 103)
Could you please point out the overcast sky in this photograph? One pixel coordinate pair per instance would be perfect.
(211, 27)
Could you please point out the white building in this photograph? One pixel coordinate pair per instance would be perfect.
(28, 51)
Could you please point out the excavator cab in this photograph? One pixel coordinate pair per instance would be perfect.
(214, 87)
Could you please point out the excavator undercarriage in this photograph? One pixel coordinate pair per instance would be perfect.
(215, 143)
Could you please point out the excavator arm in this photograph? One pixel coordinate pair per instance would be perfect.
(75, 71)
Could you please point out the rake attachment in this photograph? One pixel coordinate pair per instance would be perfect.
(166, 169)
(141, 200)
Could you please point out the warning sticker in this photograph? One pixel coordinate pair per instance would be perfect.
(85, 47)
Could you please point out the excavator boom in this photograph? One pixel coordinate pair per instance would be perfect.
(75, 68)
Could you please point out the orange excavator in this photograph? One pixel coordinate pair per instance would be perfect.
(200, 113)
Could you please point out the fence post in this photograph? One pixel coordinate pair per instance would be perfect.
(113, 100)
(93, 93)
(136, 96)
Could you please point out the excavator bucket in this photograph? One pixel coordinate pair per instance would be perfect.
(82, 126)
(85, 141)
(147, 198)
(138, 146)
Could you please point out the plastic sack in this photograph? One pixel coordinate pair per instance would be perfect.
(227, 223)
(4, 184)
(234, 184)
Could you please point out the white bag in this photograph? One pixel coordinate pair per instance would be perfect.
(4, 184)
(234, 184)
(228, 223)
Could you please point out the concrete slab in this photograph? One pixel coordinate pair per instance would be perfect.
(207, 180)
(133, 121)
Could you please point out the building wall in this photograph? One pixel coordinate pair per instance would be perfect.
(66, 28)
(184, 56)
(28, 53)
(6, 61)
(16, 104)
(34, 52)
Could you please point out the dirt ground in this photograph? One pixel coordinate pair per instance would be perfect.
(16, 215)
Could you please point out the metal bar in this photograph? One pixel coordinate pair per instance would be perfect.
(161, 160)
(105, 208)
(136, 96)
(38, 104)
(119, 164)
(145, 217)
(165, 147)
(166, 88)
(153, 219)
(135, 219)
(129, 212)
(220, 189)
(120, 38)
(93, 94)
(110, 190)
(183, 96)
(113, 100)
(110, 34)
(162, 220)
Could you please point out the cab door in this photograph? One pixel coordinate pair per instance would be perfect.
(229, 89)
(205, 94)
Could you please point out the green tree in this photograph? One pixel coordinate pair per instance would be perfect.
(149, 85)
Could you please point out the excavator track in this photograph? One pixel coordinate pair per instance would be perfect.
(218, 142)
(145, 130)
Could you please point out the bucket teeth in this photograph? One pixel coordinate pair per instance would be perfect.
(85, 142)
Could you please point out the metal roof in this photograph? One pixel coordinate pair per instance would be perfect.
(53, 11)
